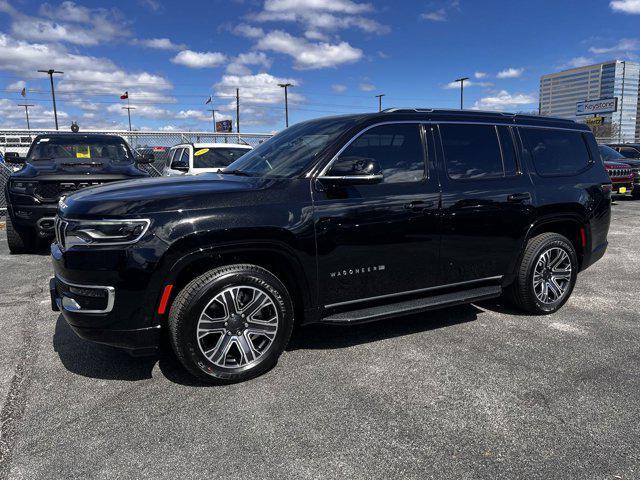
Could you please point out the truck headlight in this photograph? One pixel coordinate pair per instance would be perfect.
(103, 232)
(20, 186)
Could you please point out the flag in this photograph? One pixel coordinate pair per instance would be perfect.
(125, 96)
(208, 100)
(24, 91)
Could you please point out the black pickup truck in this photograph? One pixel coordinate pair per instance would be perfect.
(57, 165)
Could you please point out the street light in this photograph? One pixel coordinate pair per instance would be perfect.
(461, 81)
(286, 101)
(379, 97)
(51, 72)
(26, 111)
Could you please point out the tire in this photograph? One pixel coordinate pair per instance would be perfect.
(19, 239)
(635, 193)
(526, 294)
(254, 341)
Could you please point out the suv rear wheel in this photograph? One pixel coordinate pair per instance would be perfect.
(546, 275)
(231, 323)
(19, 239)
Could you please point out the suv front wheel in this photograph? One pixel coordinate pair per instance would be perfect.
(20, 240)
(231, 323)
(546, 275)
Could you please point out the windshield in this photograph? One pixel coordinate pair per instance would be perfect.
(216, 157)
(80, 148)
(608, 153)
(290, 151)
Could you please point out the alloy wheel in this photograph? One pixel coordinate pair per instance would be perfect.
(237, 326)
(552, 275)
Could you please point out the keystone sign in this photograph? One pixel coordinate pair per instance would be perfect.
(593, 107)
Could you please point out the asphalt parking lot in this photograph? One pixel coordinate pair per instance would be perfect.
(473, 392)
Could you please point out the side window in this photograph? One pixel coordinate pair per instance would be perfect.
(556, 152)
(471, 151)
(629, 152)
(397, 148)
(508, 151)
(177, 156)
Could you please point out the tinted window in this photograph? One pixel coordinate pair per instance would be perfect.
(629, 152)
(216, 157)
(74, 148)
(397, 149)
(508, 151)
(608, 153)
(556, 152)
(471, 151)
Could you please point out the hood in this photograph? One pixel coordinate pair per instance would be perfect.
(164, 194)
(78, 167)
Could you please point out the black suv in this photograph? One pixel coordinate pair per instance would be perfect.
(57, 165)
(340, 220)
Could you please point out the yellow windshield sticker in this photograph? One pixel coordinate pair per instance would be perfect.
(83, 152)
(202, 151)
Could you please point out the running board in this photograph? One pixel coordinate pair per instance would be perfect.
(418, 305)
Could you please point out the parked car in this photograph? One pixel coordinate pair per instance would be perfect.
(611, 155)
(628, 150)
(340, 220)
(57, 165)
(197, 158)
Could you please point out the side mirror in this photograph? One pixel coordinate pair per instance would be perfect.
(353, 171)
(146, 158)
(13, 157)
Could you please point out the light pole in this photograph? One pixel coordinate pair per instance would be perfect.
(26, 111)
(461, 81)
(379, 97)
(286, 101)
(213, 117)
(51, 72)
(128, 108)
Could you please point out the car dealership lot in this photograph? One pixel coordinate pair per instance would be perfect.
(471, 392)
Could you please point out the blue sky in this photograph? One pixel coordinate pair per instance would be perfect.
(170, 56)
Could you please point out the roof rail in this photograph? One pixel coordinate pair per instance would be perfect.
(446, 110)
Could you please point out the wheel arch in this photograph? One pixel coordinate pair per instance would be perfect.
(571, 226)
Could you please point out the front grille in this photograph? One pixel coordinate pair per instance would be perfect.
(620, 172)
(52, 191)
(60, 227)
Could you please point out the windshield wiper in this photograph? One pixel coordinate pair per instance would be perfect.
(236, 172)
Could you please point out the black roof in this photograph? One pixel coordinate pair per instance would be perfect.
(84, 136)
(432, 114)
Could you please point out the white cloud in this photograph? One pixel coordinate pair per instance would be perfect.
(17, 86)
(578, 62)
(248, 31)
(467, 84)
(192, 59)
(439, 15)
(318, 15)
(316, 35)
(338, 88)
(307, 55)
(480, 75)
(68, 23)
(510, 73)
(12, 116)
(626, 6)
(238, 65)
(624, 45)
(367, 87)
(152, 5)
(503, 100)
(161, 44)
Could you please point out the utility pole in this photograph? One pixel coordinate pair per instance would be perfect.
(379, 97)
(461, 81)
(51, 72)
(26, 111)
(286, 101)
(213, 117)
(238, 112)
(128, 108)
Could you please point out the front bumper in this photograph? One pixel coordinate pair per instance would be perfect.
(627, 187)
(111, 303)
(38, 217)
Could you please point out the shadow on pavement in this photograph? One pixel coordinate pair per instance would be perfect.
(103, 362)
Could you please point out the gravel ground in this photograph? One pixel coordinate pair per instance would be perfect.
(473, 392)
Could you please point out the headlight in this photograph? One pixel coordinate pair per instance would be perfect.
(20, 186)
(103, 232)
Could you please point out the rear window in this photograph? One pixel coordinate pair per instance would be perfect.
(556, 152)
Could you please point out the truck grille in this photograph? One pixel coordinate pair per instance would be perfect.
(59, 228)
(620, 172)
(52, 191)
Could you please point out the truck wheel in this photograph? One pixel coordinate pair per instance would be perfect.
(231, 323)
(546, 275)
(19, 239)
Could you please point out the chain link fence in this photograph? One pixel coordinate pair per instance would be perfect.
(157, 143)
